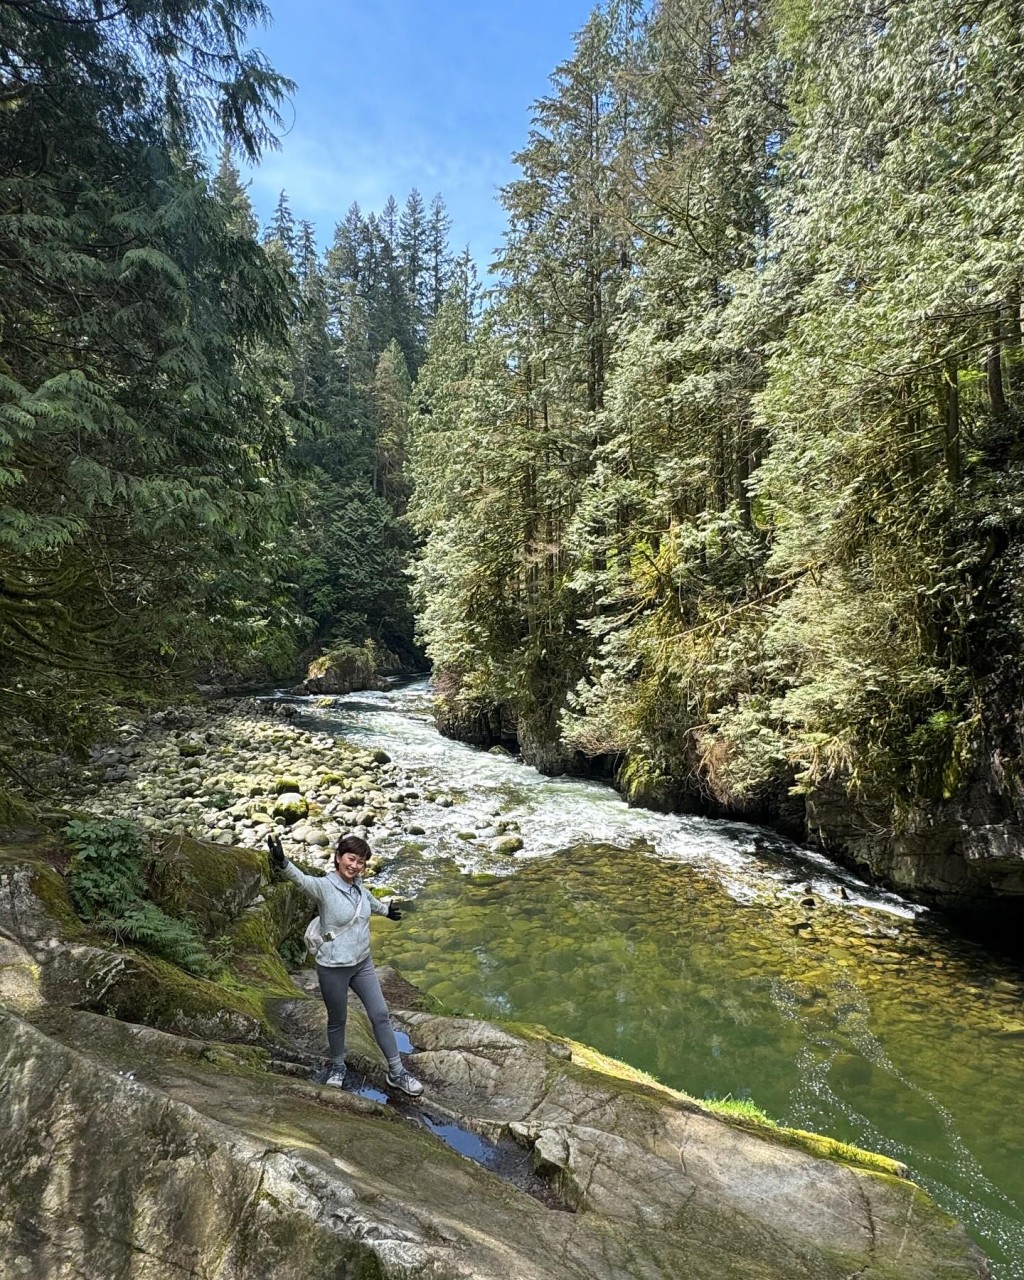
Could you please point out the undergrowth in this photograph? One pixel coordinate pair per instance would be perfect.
(107, 881)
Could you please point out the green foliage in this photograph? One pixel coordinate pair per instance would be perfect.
(739, 1108)
(725, 477)
(107, 881)
(293, 951)
(141, 335)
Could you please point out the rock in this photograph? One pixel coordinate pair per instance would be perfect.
(344, 670)
(224, 1168)
(507, 844)
(290, 806)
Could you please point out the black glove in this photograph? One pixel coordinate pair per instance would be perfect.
(394, 910)
(277, 858)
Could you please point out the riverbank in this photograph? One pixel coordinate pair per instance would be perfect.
(740, 964)
(233, 771)
(962, 856)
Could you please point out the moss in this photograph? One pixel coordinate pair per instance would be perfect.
(832, 1149)
(210, 882)
(236, 1058)
(51, 889)
(158, 994)
(254, 931)
(290, 810)
(740, 1108)
(258, 935)
(263, 974)
(13, 808)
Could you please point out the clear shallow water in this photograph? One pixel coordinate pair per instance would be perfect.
(718, 957)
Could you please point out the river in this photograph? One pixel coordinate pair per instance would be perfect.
(720, 958)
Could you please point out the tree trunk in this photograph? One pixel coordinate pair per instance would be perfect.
(994, 369)
(950, 399)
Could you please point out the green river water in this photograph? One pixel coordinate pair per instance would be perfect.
(718, 959)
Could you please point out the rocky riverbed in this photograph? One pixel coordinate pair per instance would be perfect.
(233, 771)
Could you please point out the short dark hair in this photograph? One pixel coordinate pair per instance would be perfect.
(353, 844)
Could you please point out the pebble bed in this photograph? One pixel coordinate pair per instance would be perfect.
(233, 772)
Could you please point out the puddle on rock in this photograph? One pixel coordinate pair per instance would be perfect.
(405, 1045)
(504, 1158)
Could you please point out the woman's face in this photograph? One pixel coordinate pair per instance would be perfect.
(349, 865)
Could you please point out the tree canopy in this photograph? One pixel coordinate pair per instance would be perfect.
(720, 489)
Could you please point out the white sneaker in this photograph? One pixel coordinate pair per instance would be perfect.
(336, 1077)
(401, 1079)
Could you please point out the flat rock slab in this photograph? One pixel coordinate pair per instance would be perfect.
(139, 1155)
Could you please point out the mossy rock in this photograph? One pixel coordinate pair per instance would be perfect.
(157, 993)
(508, 844)
(290, 807)
(261, 931)
(34, 899)
(283, 785)
(343, 670)
(212, 883)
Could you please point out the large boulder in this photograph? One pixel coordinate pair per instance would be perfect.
(344, 670)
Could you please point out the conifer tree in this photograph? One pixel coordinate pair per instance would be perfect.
(141, 333)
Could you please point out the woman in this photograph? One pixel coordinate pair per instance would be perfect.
(343, 958)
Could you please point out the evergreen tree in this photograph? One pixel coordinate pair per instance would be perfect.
(437, 256)
(233, 195)
(412, 247)
(281, 229)
(141, 334)
(390, 394)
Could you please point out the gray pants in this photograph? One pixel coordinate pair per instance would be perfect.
(335, 981)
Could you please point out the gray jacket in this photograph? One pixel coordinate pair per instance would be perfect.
(342, 914)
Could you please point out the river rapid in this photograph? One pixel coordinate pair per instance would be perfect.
(716, 956)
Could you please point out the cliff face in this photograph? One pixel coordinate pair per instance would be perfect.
(207, 1148)
(963, 856)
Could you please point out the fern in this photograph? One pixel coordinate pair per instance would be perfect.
(108, 887)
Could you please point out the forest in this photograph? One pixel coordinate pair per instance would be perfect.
(202, 422)
(713, 487)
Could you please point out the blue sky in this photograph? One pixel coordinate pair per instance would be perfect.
(434, 95)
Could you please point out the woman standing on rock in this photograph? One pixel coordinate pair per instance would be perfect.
(343, 958)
